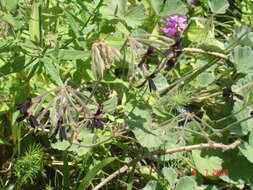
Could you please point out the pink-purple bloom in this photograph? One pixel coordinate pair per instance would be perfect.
(175, 25)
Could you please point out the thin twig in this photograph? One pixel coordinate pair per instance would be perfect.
(93, 145)
(197, 50)
(233, 124)
(129, 166)
(207, 125)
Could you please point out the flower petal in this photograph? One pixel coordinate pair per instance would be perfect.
(164, 20)
(175, 25)
(174, 17)
(165, 30)
(183, 26)
(181, 19)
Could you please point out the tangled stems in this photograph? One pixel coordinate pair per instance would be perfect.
(132, 163)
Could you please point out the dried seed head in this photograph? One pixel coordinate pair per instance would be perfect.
(103, 56)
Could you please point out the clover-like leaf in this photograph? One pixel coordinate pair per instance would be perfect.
(218, 6)
(242, 57)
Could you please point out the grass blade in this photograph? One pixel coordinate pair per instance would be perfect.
(93, 172)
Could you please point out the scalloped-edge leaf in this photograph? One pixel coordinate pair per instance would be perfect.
(111, 104)
(160, 82)
(186, 183)
(170, 175)
(135, 16)
(151, 185)
(242, 57)
(218, 6)
(239, 169)
(247, 148)
(140, 121)
(156, 5)
(242, 113)
(174, 7)
(207, 160)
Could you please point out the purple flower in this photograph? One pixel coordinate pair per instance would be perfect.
(175, 25)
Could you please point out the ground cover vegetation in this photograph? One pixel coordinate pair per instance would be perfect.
(126, 94)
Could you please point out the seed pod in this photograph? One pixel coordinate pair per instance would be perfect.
(150, 50)
(98, 65)
(24, 106)
(96, 124)
(62, 134)
(99, 110)
(21, 118)
(151, 85)
(52, 138)
(240, 97)
(142, 84)
(33, 122)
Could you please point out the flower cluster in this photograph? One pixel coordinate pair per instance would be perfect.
(175, 25)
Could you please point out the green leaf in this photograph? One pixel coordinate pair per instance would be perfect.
(242, 113)
(84, 135)
(93, 172)
(120, 5)
(170, 175)
(207, 161)
(139, 121)
(88, 29)
(135, 16)
(242, 57)
(11, 5)
(111, 104)
(160, 82)
(3, 141)
(35, 22)
(212, 45)
(239, 169)
(87, 138)
(205, 78)
(17, 64)
(73, 24)
(115, 41)
(244, 88)
(156, 5)
(186, 183)
(247, 40)
(200, 30)
(247, 150)
(218, 6)
(61, 145)
(242, 36)
(174, 7)
(243, 108)
(65, 54)
(153, 185)
(212, 188)
(9, 19)
(123, 29)
(113, 8)
(51, 70)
